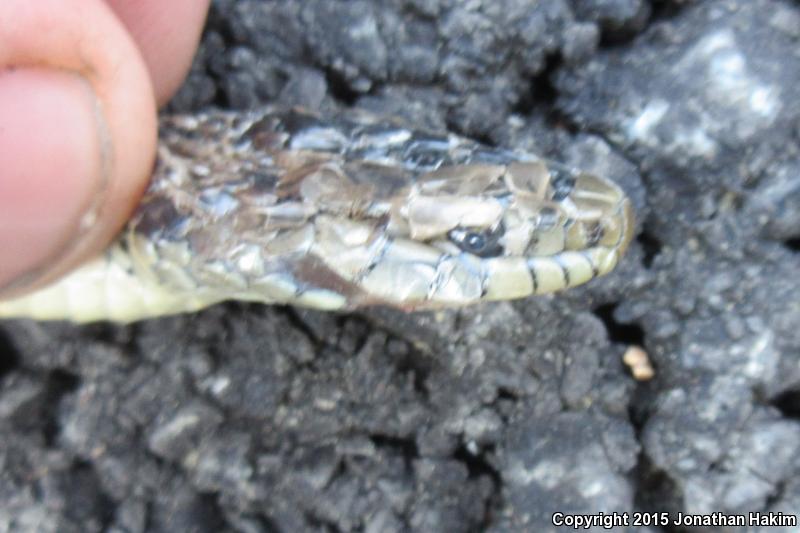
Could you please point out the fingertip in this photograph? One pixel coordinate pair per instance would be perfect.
(167, 34)
(51, 156)
(85, 45)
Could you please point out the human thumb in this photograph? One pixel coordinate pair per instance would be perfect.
(77, 136)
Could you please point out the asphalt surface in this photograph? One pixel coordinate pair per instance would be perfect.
(252, 419)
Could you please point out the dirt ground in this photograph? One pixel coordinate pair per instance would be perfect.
(253, 418)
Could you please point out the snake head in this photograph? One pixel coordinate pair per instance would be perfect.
(367, 212)
(465, 233)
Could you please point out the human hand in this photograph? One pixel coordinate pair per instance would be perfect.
(79, 87)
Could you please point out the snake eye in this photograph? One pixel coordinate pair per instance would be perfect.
(483, 243)
(474, 241)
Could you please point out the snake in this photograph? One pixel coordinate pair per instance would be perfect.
(284, 206)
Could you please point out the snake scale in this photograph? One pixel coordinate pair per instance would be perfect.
(282, 206)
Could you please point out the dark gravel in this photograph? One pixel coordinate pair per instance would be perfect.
(249, 418)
